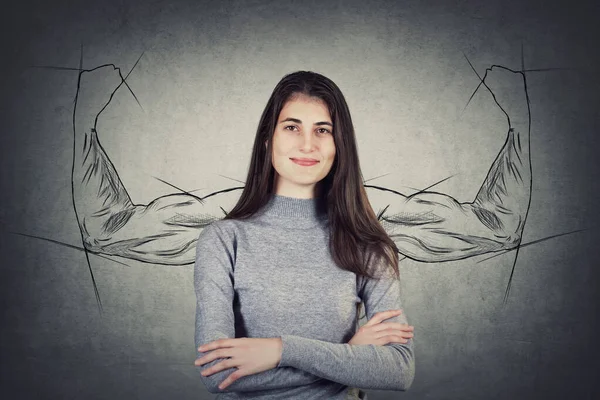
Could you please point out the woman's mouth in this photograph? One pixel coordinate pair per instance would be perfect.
(304, 162)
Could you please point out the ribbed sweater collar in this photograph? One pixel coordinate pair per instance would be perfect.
(293, 212)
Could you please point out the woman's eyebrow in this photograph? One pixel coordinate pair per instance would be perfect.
(296, 120)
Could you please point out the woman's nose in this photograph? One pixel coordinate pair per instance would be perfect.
(307, 141)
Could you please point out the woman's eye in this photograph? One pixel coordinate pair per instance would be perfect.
(290, 126)
(323, 130)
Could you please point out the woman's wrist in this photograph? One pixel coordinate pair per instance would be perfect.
(279, 344)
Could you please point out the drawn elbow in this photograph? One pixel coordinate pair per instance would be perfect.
(92, 244)
(98, 233)
(511, 240)
(94, 238)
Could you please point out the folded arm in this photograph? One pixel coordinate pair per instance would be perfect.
(213, 274)
(388, 367)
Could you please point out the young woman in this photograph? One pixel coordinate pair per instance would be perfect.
(280, 279)
(277, 278)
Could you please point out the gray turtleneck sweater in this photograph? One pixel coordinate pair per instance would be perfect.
(272, 275)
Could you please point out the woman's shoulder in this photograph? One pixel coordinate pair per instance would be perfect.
(230, 229)
(223, 227)
(219, 234)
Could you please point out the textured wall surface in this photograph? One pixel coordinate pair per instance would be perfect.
(205, 75)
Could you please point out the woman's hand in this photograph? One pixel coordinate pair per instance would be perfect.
(381, 333)
(249, 355)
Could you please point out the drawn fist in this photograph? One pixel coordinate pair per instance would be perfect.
(95, 89)
(508, 89)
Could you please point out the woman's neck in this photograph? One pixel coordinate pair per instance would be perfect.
(294, 212)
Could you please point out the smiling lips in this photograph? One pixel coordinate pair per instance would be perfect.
(305, 161)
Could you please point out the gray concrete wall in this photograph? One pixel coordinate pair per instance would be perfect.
(205, 76)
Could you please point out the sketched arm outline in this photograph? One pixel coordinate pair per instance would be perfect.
(427, 226)
(433, 227)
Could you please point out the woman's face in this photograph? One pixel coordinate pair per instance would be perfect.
(304, 131)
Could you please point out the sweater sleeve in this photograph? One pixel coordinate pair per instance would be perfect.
(213, 283)
(389, 367)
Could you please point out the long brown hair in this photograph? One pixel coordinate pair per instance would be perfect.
(356, 236)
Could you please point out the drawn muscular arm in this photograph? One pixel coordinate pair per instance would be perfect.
(433, 227)
(427, 226)
(164, 231)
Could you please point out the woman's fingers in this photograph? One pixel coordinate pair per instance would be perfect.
(392, 339)
(393, 325)
(381, 316)
(232, 378)
(213, 355)
(223, 365)
(384, 329)
(215, 344)
(387, 332)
